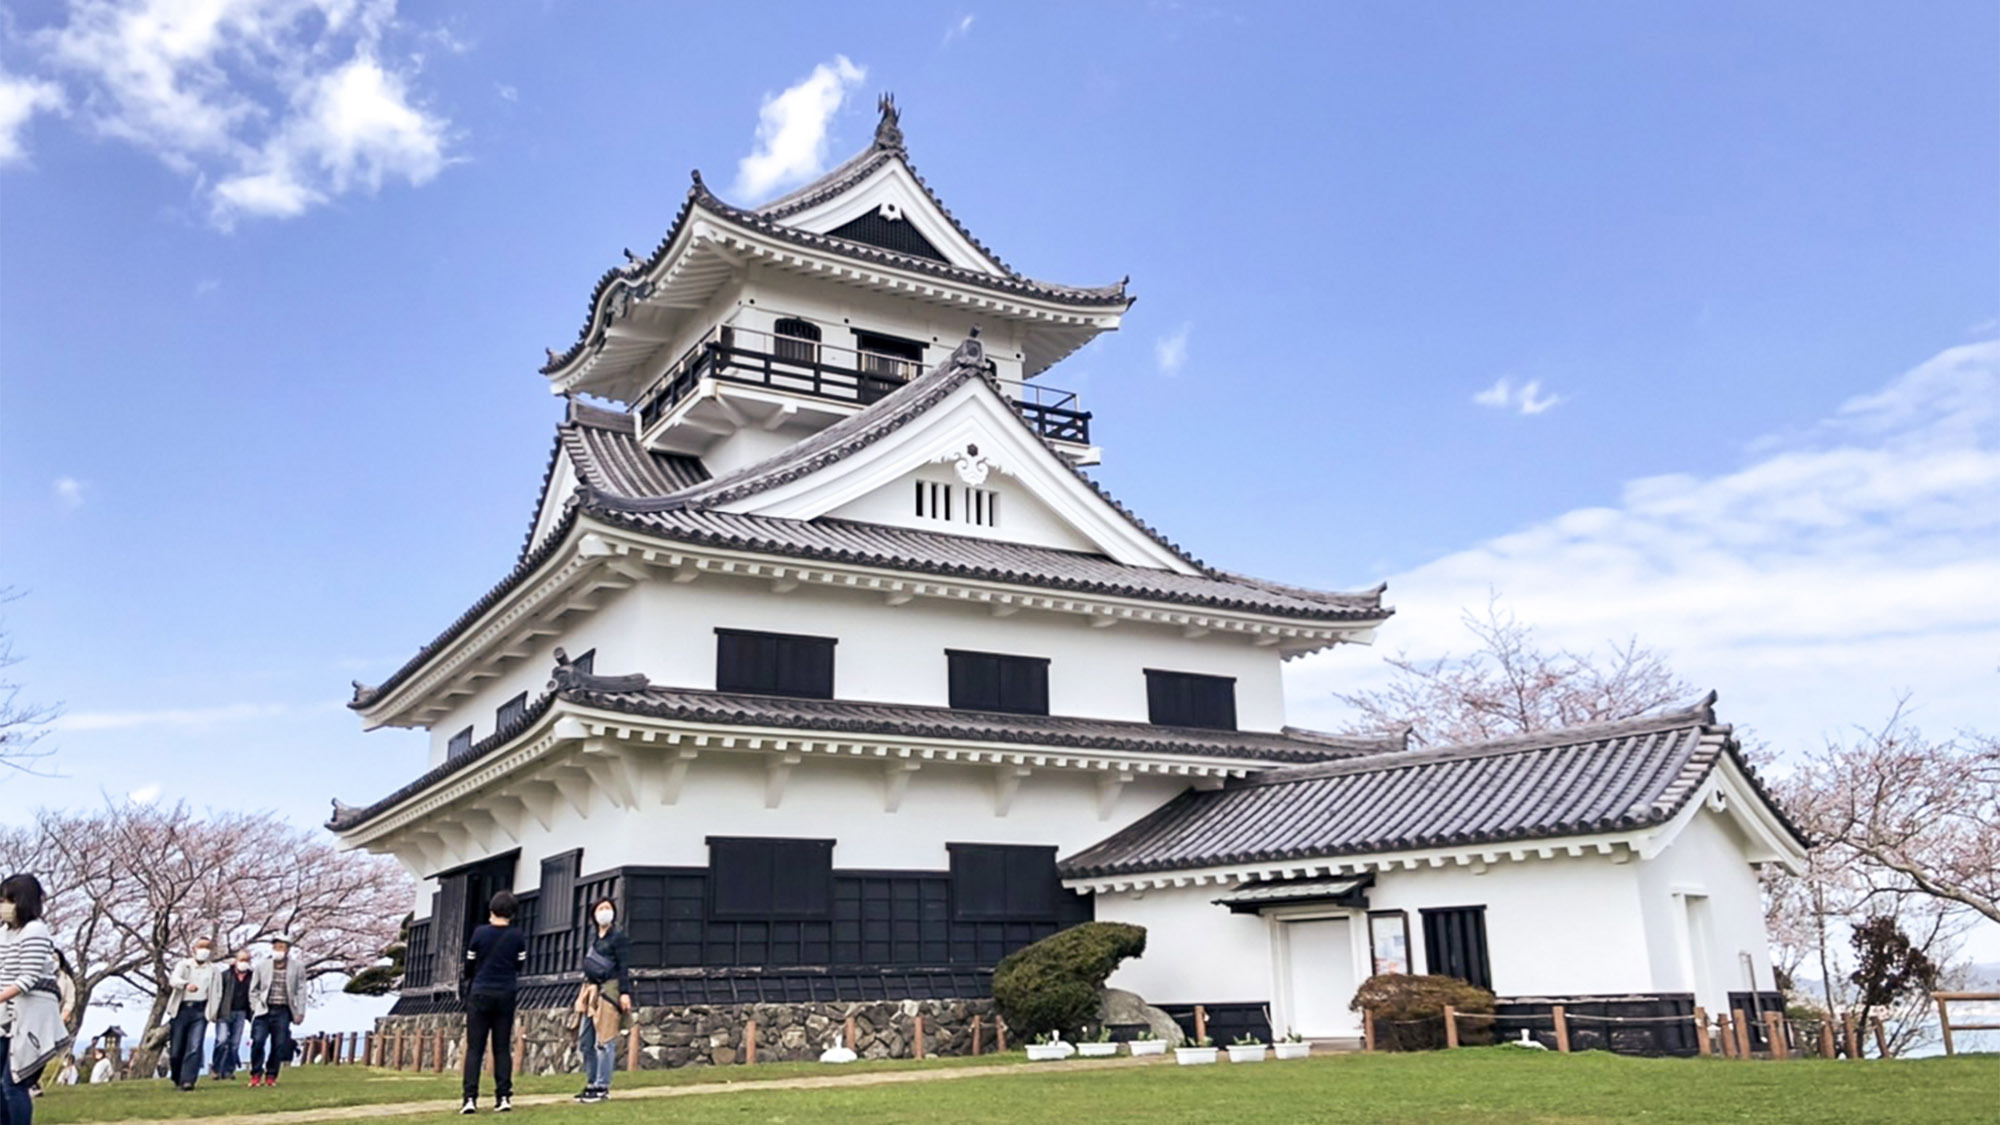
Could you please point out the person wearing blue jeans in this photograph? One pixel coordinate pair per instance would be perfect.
(604, 1000)
(230, 1013)
(277, 1001)
(193, 984)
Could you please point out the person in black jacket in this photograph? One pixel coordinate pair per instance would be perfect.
(604, 999)
(492, 982)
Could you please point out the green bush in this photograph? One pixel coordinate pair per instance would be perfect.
(1409, 1011)
(1053, 984)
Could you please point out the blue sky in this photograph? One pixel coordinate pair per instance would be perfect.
(1674, 320)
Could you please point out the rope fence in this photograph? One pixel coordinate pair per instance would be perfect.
(1728, 1035)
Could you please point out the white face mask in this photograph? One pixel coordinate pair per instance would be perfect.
(604, 917)
(201, 954)
(7, 913)
(242, 966)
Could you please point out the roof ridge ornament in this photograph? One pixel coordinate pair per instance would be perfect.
(568, 677)
(889, 130)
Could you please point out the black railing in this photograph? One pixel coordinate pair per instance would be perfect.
(785, 363)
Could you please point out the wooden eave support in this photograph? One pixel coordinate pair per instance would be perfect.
(1006, 783)
(1109, 786)
(605, 762)
(675, 777)
(777, 775)
(896, 782)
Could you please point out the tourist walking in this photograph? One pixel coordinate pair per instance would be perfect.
(277, 1004)
(603, 1001)
(31, 1025)
(492, 980)
(192, 983)
(229, 1011)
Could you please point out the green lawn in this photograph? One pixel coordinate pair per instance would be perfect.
(1483, 1085)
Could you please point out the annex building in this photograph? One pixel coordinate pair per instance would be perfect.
(825, 657)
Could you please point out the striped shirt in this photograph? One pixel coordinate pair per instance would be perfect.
(27, 958)
(281, 990)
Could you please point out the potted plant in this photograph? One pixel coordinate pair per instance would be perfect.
(1199, 1052)
(1147, 1043)
(1246, 1048)
(1049, 1047)
(1099, 1047)
(1293, 1046)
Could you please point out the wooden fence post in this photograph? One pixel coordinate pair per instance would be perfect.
(750, 1042)
(850, 1034)
(917, 1037)
(438, 1052)
(1774, 1030)
(1000, 1034)
(1826, 1037)
(1944, 1022)
(1367, 1029)
(1200, 1023)
(632, 1049)
(1702, 1047)
(1562, 1028)
(1881, 1040)
(975, 1037)
(1853, 1040)
(1450, 1027)
(520, 1045)
(1742, 1033)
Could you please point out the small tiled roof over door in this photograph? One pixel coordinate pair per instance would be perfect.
(1603, 777)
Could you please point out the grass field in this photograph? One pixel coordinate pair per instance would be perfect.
(1484, 1085)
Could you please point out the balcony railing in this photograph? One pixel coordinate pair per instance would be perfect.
(790, 363)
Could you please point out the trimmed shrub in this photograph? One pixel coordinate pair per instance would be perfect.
(1053, 985)
(1409, 1011)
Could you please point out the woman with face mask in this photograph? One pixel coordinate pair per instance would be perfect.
(604, 1000)
(192, 982)
(31, 1026)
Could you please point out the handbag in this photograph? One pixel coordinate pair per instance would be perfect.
(597, 968)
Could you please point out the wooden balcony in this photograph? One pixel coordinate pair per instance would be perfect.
(824, 371)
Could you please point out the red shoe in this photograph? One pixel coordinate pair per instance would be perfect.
(256, 1080)
(271, 1081)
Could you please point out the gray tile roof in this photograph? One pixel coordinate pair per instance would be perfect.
(604, 447)
(1588, 779)
(891, 720)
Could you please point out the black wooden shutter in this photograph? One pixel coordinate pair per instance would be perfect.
(1455, 944)
(556, 904)
(985, 681)
(754, 878)
(1188, 699)
(774, 663)
(1003, 882)
(449, 927)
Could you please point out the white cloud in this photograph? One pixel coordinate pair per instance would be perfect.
(1526, 398)
(1835, 568)
(273, 106)
(145, 795)
(183, 717)
(792, 129)
(20, 100)
(69, 492)
(1171, 351)
(959, 29)
(507, 93)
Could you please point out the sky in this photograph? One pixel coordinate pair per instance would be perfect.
(1674, 321)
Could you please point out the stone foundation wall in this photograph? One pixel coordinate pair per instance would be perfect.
(713, 1035)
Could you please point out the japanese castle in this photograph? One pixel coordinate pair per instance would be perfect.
(825, 657)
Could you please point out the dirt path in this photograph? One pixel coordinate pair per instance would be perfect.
(701, 1089)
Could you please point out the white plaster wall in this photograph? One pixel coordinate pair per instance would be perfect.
(1196, 952)
(1707, 858)
(1023, 517)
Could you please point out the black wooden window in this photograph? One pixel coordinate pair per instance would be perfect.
(986, 681)
(889, 355)
(1187, 699)
(774, 663)
(767, 878)
(995, 881)
(796, 340)
(557, 906)
(1455, 944)
(459, 744)
(510, 711)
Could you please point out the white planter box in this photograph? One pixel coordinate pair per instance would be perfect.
(1252, 1053)
(1049, 1052)
(1293, 1050)
(1097, 1050)
(1144, 1047)
(1194, 1056)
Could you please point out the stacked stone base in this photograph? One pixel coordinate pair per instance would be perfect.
(713, 1035)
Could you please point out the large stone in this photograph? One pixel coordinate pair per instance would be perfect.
(1118, 1007)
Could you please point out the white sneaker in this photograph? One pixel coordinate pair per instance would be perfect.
(504, 1105)
(471, 1106)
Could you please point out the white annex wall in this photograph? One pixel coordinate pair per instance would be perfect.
(1196, 951)
(1706, 862)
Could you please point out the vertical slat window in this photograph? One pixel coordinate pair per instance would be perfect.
(756, 878)
(1003, 881)
(1187, 699)
(557, 911)
(510, 711)
(774, 664)
(985, 681)
(460, 743)
(1455, 944)
(796, 340)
